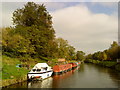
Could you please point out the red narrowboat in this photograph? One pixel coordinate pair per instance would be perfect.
(74, 65)
(79, 63)
(58, 69)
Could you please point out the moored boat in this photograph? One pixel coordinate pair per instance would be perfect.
(79, 63)
(74, 65)
(58, 69)
(40, 71)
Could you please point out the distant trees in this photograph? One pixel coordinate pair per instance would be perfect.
(113, 53)
(104, 56)
(64, 49)
(71, 53)
(80, 55)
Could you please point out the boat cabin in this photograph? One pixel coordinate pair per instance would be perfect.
(40, 67)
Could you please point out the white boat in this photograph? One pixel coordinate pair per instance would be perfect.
(40, 71)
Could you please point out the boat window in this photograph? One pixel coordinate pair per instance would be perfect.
(38, 69)
(34, 70)
(44, 68)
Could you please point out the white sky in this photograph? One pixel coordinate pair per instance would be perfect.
(84, 29)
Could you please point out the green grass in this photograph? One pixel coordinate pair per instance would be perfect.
(9, 69)
(109, 63)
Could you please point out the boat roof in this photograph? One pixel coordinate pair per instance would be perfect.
(39, 65)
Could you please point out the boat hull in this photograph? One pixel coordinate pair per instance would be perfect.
(39, 76)
(58, 69)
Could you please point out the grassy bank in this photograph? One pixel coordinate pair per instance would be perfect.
(11, 73)
(10, 69)
(109, 64)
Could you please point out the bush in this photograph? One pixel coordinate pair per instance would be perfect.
(102, 63)
(109, 64)
(117, 67)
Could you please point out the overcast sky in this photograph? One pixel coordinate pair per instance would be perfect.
(88, 26)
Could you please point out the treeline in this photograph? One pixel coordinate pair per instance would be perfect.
(107, 58)
(111, 54)
(34, 36)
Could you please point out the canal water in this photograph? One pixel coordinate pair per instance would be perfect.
(85, 76)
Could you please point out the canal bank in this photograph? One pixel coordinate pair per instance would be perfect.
(8, 82)
(110, 64)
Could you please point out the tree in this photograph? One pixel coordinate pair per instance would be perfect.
(113, 51)
(99, 55)
(34, 23)
(34, 36)
(15, 43)
(104, 56)
(114, 44)
(89, 56)
(80, 55)
(32, 14)
(62, 47)
(71, 53)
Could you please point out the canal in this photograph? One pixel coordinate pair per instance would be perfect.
(86, 76)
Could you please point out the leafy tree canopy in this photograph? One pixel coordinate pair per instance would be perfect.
(32, 14)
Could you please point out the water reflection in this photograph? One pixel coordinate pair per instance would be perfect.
(113, 74)
(58, 79)
(106, 77)
(47, 83)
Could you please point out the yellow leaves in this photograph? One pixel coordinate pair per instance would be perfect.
(4, 43)
(14, 41)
